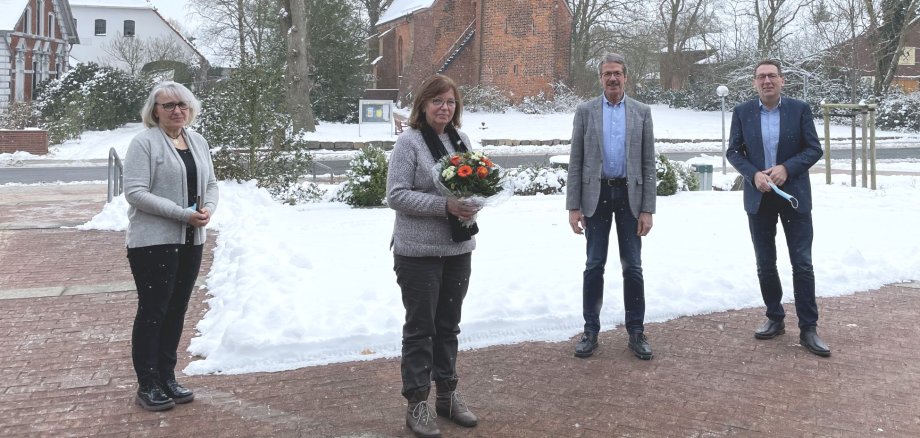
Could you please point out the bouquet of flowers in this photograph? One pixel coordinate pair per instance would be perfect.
(470, 176)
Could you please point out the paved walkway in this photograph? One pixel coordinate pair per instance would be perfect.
(66, 308)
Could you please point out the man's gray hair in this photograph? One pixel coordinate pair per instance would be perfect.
(612, 57)
(172, 89)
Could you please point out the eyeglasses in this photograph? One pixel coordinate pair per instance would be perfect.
(437, 101)
(616, 74)
(170, 106)
(762, 77)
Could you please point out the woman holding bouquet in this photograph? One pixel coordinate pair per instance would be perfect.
(432, 254)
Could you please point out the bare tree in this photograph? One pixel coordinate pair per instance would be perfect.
(600, 26)
(241, 29)
(126, 50)
(295, 23)
(889, 21)
(773, 19)
(681, 20)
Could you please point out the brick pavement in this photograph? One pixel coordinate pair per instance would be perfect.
(65, 367)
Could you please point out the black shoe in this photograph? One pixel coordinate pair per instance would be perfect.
(152, 398)
(640, 346)
(770, 329)
(810, 340)
(587, 345)
(177, 392)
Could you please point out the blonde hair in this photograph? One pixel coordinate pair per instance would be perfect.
(175, 89)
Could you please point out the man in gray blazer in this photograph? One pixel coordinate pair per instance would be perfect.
(612, 180)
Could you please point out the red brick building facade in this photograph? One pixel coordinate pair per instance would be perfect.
(35, 42)
(519, 46)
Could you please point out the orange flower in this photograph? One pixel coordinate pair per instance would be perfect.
(464, 171)
(455, 160)
(487, 162)
(482, 172)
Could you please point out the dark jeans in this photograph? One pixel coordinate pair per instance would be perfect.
(433, 289)
(799, 234)
(613, 207)
(164, 276)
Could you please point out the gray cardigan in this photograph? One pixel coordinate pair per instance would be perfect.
(157, 190)
(421, 228)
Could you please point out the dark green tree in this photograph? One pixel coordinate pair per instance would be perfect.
(337, 36)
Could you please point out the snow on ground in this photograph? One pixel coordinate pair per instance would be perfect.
(294, 286)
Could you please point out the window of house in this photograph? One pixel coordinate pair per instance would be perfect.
(100, 27)
(41, 15)
(28, 26)
(129, 28)
(51, 25)
(34, 74)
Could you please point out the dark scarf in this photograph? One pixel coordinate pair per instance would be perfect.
(458, 232)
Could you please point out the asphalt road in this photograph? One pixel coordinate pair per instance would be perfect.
(36, 174)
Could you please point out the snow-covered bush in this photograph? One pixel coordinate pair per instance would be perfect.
(19, 115)
(366, 179)
(485, 98)
(899, 111)
(674, 176)
(530, 180)
(564, 100)
(89, 97)
(304, 193)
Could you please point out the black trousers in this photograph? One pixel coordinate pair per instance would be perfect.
(433, 289)
(165, 276)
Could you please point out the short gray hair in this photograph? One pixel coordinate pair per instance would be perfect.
(612, 57)
(175, 89)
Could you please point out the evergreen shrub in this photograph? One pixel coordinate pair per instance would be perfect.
(366, 179)
(89, 97)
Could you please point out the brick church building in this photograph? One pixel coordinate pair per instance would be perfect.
(518, 46)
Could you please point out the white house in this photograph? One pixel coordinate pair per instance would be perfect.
(36, 37)
(104, 25)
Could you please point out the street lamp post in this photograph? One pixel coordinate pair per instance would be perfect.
(722, 91)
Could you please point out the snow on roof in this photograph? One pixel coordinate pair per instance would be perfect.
(401, 8)
(14, 10)
(135, 4)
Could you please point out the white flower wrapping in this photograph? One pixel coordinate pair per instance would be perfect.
(443, 171)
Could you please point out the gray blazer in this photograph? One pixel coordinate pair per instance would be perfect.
(157, 191)
(583, 187)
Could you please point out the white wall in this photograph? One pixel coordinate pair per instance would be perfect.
(147, 25)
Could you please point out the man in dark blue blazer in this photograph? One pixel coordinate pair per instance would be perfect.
(773, 141)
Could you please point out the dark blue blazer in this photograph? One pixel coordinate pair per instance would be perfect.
(798, 149)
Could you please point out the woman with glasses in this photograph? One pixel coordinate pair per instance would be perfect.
(431, 255)
(170, 186)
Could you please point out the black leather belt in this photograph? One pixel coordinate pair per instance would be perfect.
(614, 182)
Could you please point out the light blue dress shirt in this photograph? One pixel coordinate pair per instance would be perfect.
(614, 139)
(769, 131)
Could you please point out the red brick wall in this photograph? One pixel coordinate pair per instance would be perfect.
(525, 46)
(32, 141)
(533, 35)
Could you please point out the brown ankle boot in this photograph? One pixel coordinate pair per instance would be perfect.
(450, 404)
(419, 417)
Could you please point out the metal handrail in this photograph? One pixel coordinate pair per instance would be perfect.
(331, 172)
(116, 175)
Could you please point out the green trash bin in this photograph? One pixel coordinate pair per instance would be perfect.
(704, 174)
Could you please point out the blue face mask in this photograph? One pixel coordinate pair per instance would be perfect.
(792, 201)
